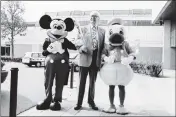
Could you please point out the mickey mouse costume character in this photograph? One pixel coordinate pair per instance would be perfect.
(57, 59)
(116, 70)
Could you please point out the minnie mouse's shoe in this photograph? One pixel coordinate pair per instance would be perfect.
(122, 110)
(43, 105)
(111, 109)
(55, 106)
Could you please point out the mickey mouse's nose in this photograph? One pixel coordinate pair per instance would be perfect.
(59, 27)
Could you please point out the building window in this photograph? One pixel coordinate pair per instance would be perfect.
(5, 51)
(122, 12)
(35, 55)
(78, 13)
(126, 23)
(138, 23)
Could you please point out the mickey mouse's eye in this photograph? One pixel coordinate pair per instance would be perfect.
(110, 32)
(55, 26)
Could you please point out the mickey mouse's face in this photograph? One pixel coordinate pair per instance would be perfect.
(58, 27)
(58, 24)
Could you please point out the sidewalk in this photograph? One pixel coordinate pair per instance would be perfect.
(145, 96)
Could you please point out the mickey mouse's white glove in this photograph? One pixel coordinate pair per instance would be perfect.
(127, 60)
(52, 48)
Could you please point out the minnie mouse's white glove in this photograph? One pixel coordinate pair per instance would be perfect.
(127, 60)
(109, 59)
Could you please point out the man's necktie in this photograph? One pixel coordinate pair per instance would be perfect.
(94, 38)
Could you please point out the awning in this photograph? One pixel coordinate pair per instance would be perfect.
(168, 12)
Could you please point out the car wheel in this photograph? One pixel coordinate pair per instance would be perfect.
(76, 68)
(38, 64)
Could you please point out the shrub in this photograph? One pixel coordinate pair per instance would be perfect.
(2, 64)
(8, 59)
(148, 68)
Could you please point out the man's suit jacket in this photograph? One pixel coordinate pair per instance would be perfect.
(86, 51)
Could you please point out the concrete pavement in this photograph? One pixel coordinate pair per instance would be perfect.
(30, 88)
(145, 96)
(27, 96)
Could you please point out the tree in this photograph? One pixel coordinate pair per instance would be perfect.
(12, 22)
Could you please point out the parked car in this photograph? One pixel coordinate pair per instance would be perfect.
(33, 58)
(74, 57)
(4, 73)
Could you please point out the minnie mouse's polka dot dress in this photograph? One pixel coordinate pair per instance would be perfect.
(116, 73)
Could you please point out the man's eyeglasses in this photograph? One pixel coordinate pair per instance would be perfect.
(94, 17)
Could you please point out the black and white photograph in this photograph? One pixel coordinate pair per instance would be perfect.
(88, 58)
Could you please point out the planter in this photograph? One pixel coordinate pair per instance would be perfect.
(3, 75)
(8, 59)
(147, 68)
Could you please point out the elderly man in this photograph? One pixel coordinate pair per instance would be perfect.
(90, 58)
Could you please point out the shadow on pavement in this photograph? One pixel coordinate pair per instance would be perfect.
(150, 113)
(163, 77)
(23, 103)
(140, 113)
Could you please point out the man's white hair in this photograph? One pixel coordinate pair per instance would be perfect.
(96, 13)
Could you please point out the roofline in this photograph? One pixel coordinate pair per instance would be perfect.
(162, 10)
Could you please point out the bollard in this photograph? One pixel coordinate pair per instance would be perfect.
(13, 92)
(72, 73)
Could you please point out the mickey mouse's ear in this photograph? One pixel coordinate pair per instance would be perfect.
(45, 21)
(69, 24)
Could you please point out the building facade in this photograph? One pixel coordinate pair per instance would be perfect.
(167, 18)
(138, 26)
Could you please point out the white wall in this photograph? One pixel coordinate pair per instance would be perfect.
(149, 36)
(35, 47)
(21, 49)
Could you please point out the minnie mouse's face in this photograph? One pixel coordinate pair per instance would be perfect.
(58, 27)
(116, 28)
(116, 35)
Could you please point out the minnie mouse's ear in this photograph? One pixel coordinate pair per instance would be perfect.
(69, 24)
(45, 21)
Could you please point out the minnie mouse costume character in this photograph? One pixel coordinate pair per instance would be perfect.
(57, 59)
(116, 70)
